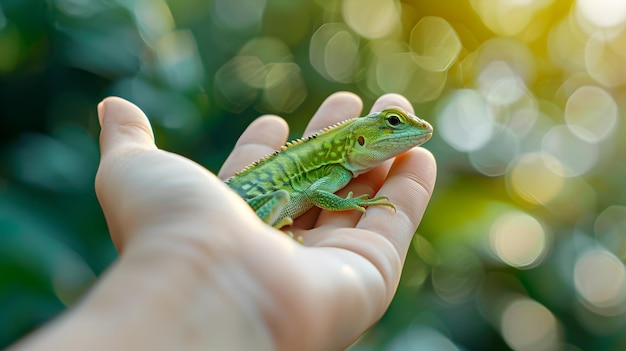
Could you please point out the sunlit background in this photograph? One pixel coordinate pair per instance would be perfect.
(524, 243)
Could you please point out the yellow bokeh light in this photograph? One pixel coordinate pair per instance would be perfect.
(604, 58)
(600, 280)
(425, 250)
(393, 66)
(396, 72)
(518, 239)
(340, 56)
(284, 87)
(435, 44)
(512, 52)
(591, 113)
(334, 52)
(566, 45)
(236, 92)
(267, 49)
(509, 18)
(532, 178)
(263, 67)
(372, 19)
(154, 19)
(576, 199)
(179, 60)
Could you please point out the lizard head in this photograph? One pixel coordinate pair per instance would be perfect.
(383, 135)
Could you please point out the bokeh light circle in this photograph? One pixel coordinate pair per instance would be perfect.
(371, 18)
(421, 338)
(610, 229)
(499, 83)
(600, 280)
(466, 122)
(435, 44)
(495, 156)
(534, 177)
(239, 14)
(528, 325)
(334, 52)
(591, 113)
(602, 13)
(576, 156)
(518, 239)
(604, 58)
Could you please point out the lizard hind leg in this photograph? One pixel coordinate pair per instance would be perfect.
(270, 206)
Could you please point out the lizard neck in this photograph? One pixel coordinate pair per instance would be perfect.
(324, 149)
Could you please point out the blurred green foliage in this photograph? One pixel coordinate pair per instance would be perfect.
(524, 243)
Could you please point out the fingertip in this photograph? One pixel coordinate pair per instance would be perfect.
(123, 125)
(346, 97)
(392, 99)
(336, 108)
(263, 136)
(265, 128)
(348, 101)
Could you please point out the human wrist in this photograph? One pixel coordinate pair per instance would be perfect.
(143, 303)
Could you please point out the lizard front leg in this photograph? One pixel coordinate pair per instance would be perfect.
(321, 193)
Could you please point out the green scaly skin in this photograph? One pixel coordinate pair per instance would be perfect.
(307, 172)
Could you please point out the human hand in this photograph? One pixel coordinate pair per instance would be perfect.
(199, 270)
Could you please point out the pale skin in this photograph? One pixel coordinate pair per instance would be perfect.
(198, 270)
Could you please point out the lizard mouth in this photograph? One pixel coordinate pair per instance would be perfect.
(425, 137)
(407, 139)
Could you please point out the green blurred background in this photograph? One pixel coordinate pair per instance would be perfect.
(523, 245)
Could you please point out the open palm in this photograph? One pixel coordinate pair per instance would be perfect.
(226, 273)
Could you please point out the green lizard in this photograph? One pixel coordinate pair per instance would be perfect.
(306, 172)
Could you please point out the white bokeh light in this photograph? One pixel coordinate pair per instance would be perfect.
(577, 156)
(499, 83)
(600, 280)
(495, 156)
(466, 122)
(603, 13)
(528, 325)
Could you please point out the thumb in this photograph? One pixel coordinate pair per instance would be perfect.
(125, 133)
(125, 128)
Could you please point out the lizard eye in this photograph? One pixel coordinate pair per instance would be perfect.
(393, 120)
